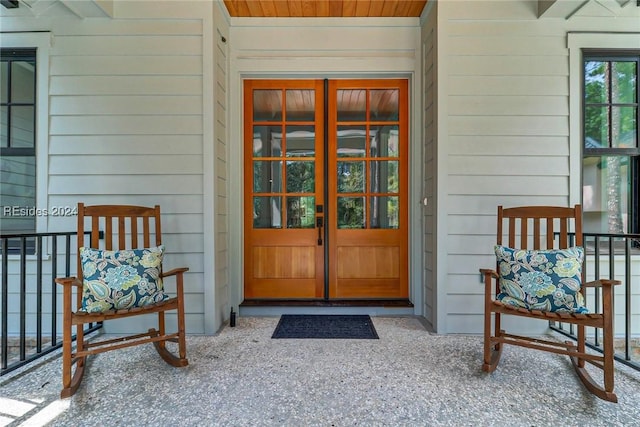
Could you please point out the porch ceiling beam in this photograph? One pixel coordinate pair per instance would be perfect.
(90, 8)
(559, 8)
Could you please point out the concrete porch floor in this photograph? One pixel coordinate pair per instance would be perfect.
(241, 377)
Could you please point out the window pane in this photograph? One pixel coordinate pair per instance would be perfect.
(267, 176)
(596, 83)
(352, 141)
(606, 187)
(351, 212)
(384, 212)
(596, 127)
(267, 141)
(383, 104)
(22, 127)
(267, 105)
(624, 85)
(384, 141)
(352, 105)
(4, 130)
(384, 176)
(300, 141)
(301, 105)
(267, 212)
(23, 78)
(300, 177)
(301, 212)
(624, 127)
(350, 177)
(18, 188)
(4, 82)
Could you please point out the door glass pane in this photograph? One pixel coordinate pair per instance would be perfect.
(596, 127)
(606, 187)
(301, 177)
(301, 105)
(352, 141)
(384, 141)
(267, 141)
(267, 105)
(267, 212)
(624, 127)
(384, 212)
(351, 212)
(267, 176)
(383, 104)
(300, 141)
(351, 177)
(23, 74)
(301, 211)
(352, 105)
(384, 176)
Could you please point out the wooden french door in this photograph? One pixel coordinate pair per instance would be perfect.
(325, 189)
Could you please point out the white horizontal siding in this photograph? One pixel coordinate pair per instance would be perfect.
(535, 185)
(325, 35)
(107, 184)
(89, 44)
(112, 65)
(129, 27)
(504, 131)
(225, 297)
(126, 127)
(487, 204)
(508, 85)
(490, 65)
(495, 165)
(507, 145)
(135, 105)
(132, 144)
(126, 85)
(137, 164)
(429, 114)
(509, 106)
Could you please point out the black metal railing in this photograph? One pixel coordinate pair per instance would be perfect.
(30, 263)
(615, 253)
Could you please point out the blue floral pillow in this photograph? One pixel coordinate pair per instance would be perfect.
(115, 280)
(545, 280)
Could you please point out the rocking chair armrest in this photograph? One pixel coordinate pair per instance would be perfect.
(488, 271)
(175, 271)
(489, 285)
(69, 281)
(600, 283)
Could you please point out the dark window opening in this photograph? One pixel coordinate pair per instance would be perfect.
(611, 151)
(17, 140)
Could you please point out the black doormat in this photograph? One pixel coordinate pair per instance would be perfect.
(325, 326)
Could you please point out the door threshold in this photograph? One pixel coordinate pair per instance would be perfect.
(271, 302)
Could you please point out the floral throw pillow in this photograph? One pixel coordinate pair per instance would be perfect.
(115, 280)
(545, 280)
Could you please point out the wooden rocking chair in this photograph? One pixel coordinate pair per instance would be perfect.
(543, 226)
(121, 228)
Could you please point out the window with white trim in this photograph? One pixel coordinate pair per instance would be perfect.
(611, 152)
(18, 139)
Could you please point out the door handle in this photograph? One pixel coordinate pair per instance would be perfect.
(319, 224)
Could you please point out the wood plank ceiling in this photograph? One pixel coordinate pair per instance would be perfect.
(324, 8)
